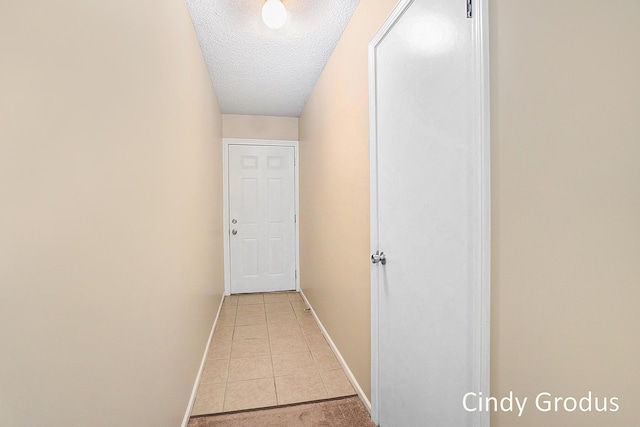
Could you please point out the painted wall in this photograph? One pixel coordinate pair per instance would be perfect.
(334, 192)
(566, 202)
(110, 225)
(259, 127)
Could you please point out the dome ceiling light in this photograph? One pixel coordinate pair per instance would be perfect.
(274, 14)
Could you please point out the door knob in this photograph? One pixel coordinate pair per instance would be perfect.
(234, 232)
(378, 257)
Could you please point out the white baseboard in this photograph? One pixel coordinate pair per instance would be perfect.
(192, 400)
(343, 363)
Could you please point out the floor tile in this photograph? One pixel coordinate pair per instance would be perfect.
(250, 368)
(215, 371)
(325, 360)
(251, 309)
(250, 347)
(228, 310)
(337, 383)
(271, 298)
(278, 307)
(250, 394)
(281, 317)
(226, 320)
(300, 388)
(277, 330)
(230, 300)
(250, 331)
(219, 349)
(310, 327)
(250, 299)
(295, 296)
(316, 341)
(298, 305)
(210, 399)
(288, 344)
(251, 319)
(293, 363)
(267, 349)
(223, 333)
(304, 316)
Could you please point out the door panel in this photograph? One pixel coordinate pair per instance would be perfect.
(262, 202)
(426, 196)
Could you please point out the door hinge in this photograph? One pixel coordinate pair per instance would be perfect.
(469, 9)
(295, 218)
(296, 274)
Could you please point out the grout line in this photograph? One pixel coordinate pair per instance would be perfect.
(226, 383)
(273, 374)
(336, 352)
(234, 325)
(315, 363)
(275, 389)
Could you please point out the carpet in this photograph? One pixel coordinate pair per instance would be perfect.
(343, 412)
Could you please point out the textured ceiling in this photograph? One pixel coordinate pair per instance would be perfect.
(257, 70)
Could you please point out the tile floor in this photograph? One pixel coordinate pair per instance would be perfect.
(267, 351)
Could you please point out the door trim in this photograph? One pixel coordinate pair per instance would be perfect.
(225, 201)
(482, 297)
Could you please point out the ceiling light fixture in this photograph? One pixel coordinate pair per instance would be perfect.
(274, 14)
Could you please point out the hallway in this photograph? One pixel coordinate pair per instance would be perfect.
(267, 350)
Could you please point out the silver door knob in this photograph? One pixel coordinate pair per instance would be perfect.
(234, 232)
(378, 257)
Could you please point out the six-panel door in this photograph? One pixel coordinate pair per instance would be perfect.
(261, 216)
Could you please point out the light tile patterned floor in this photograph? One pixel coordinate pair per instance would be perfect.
(267, 351)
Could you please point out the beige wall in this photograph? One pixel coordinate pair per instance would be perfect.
(259, 127)
(566, 203)
(566, 237)
(110, 223)
(334, 192)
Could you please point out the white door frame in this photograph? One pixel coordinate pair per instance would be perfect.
(225, 201)
(482, 297)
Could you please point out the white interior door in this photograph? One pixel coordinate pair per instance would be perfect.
(429, 195)
(262, 238)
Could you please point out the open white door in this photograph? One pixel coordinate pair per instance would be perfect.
(430, 214)
(262, 224)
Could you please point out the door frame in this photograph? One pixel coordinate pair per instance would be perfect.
(226, 230)
(482, 295)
